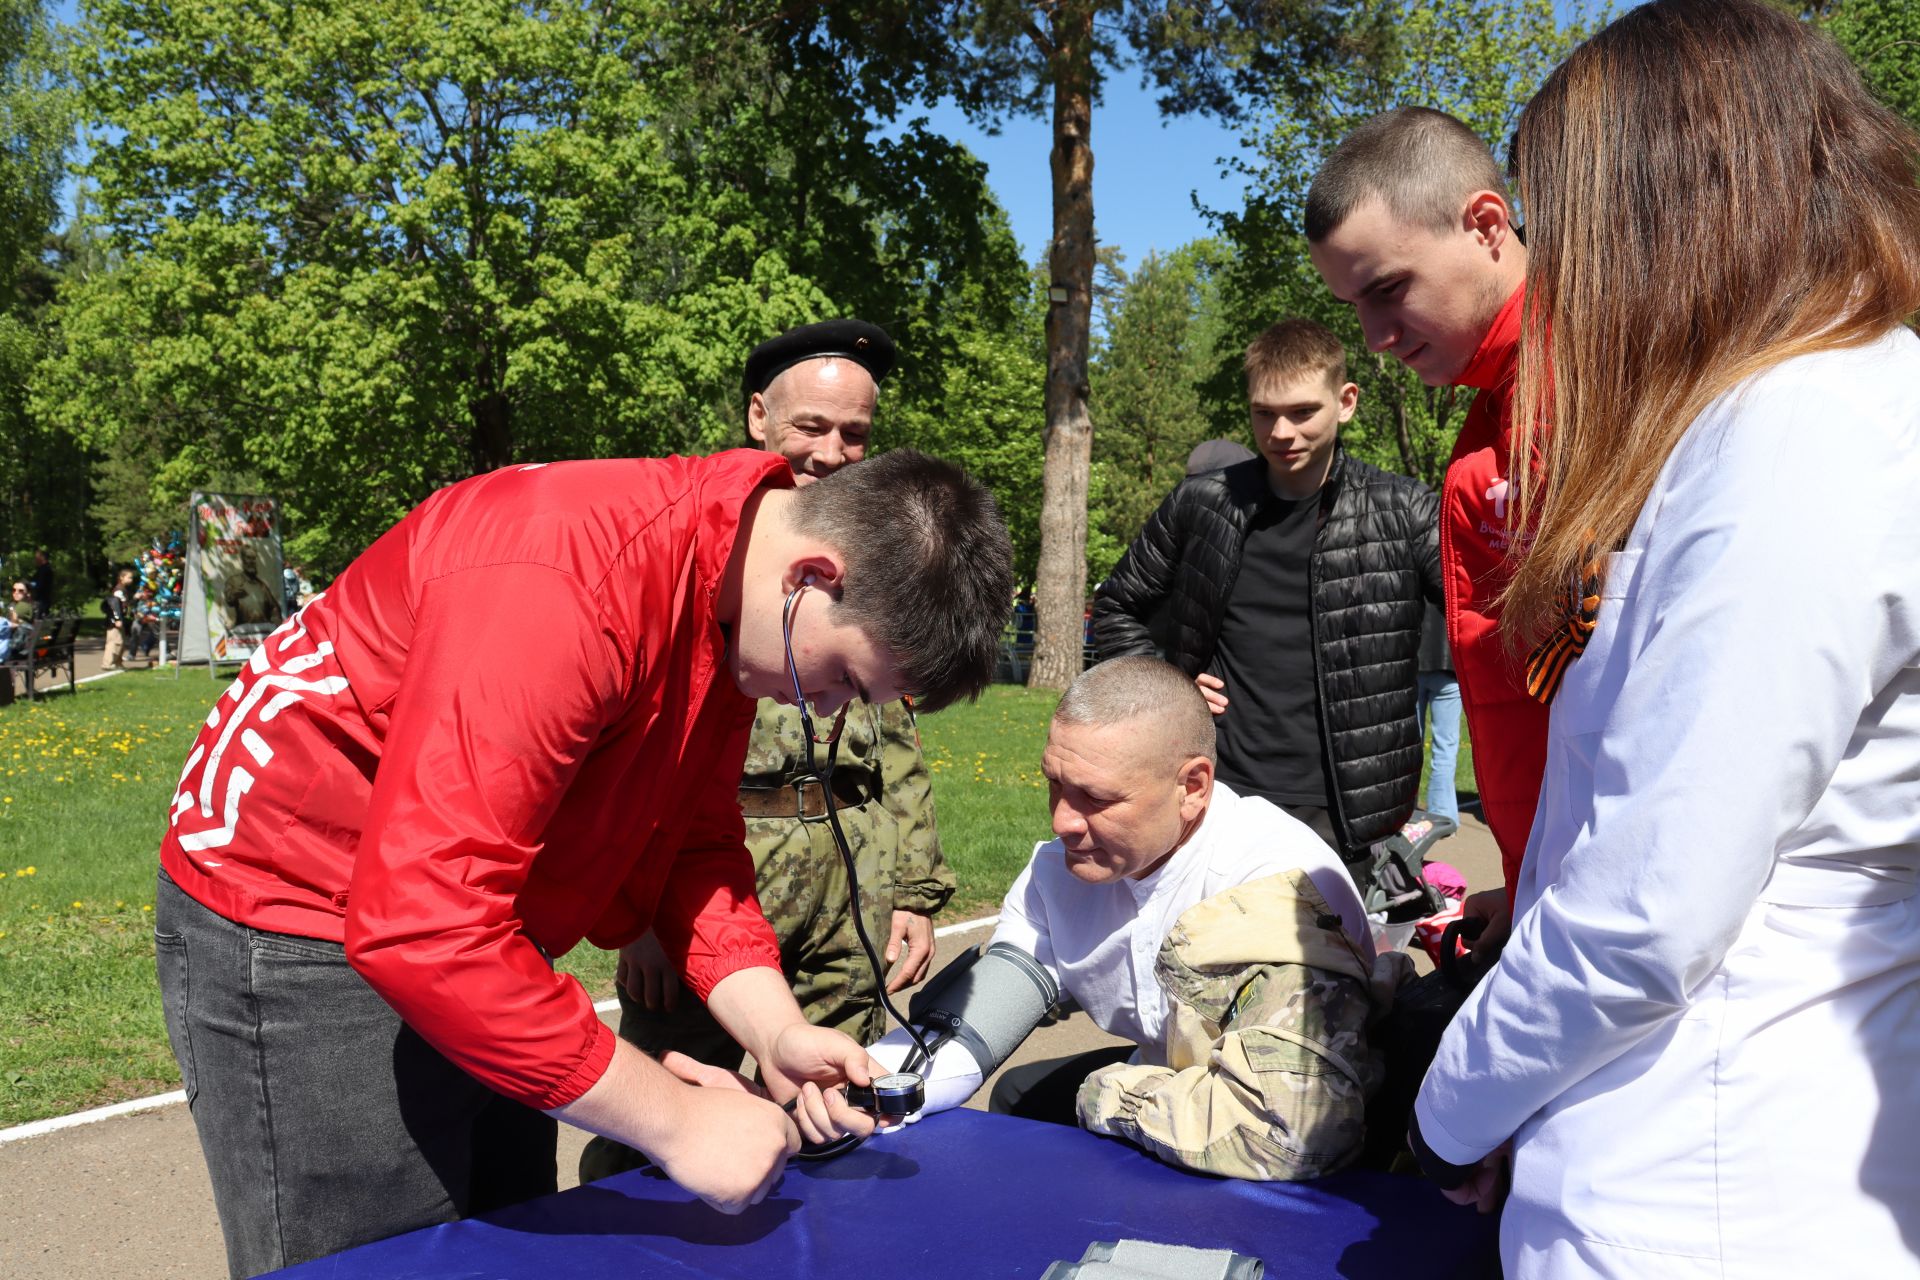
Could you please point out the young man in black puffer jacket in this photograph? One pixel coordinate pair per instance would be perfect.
(1296, 584)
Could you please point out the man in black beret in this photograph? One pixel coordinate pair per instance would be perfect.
(811, 391)
(810, 398)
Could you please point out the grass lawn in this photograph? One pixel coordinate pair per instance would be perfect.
(989, 796)
(84, 785)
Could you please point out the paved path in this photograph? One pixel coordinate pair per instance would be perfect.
(129, 1197)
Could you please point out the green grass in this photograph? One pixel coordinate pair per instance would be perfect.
(988, 793)
(84, 785)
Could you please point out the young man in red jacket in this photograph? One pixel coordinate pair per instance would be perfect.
(1408, 222)
(516, 723)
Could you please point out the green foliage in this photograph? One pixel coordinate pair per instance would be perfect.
(985, 417)
(363, 250)
(84, 781)
(36, 123)
(367, 249)
(42, 478)
(1161, 328)
(1883, 39)
(1479, 60)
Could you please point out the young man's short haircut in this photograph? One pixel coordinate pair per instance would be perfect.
(929, 567)
(1423, 163)
(1170, 711)
(1293, 349)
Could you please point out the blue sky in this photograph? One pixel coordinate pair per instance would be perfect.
(1146, 171)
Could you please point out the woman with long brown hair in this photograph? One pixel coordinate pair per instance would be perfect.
(1702, 1043)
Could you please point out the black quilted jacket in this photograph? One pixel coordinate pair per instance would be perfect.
(1376, 562)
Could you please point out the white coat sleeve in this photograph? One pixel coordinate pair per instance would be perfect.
(1773, 596)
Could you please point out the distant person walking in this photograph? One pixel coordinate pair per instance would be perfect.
(40, 584)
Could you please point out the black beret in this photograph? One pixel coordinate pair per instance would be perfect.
(865, 344)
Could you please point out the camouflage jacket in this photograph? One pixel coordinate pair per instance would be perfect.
(880, 749)
(1269, 1067)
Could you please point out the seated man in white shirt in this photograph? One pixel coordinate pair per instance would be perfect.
(1217, 934)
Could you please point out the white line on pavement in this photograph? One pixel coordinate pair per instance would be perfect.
(54, 1124)
(947, 931)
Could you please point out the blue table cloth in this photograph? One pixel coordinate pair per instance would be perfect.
(963, 1195)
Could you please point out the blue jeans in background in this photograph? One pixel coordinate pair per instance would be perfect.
(1440, 696)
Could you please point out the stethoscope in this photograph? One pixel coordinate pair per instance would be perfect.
(899, 1093)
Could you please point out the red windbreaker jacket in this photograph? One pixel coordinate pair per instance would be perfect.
(1508, 728)
(508, 726)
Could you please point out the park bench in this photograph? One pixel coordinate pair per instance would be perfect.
(46, 645)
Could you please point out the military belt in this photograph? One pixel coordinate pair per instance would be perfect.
(804, 798)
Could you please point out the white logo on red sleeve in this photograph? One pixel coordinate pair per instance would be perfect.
(210, 800)
(1498, 496)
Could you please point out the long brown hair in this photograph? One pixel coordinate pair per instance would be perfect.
(1709, 190)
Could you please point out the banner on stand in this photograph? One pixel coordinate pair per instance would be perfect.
(232, 599)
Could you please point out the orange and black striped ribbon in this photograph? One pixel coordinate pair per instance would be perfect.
(1561, 649)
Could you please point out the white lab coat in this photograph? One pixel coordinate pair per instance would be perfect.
(1704, 1033)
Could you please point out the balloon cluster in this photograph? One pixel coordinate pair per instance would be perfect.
(161, 566)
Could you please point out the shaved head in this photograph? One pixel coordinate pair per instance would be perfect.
(1172, 719)
(1422, 163)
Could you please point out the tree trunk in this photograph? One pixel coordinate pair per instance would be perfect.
(490, 445)
(1061, 589)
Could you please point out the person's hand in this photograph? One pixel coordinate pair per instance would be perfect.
(645, 973)
(1489, 906)
(804, 1064)
(911, 943)
(1210, 689)
(707, 1076)
(1486, 1186)
(729, 1144)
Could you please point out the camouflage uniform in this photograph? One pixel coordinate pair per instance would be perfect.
(802, 885)
(1269, 1066)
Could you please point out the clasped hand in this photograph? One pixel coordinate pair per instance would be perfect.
(1486, 1186)
(809, 1062)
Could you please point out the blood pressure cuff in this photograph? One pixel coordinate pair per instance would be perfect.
(987, 1002)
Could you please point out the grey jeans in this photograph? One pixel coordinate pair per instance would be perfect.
(325, 1121)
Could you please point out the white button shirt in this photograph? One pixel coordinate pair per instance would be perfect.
(1100, 940)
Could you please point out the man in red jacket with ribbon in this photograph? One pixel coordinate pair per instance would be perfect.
(1408, 222)
(516, 723)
